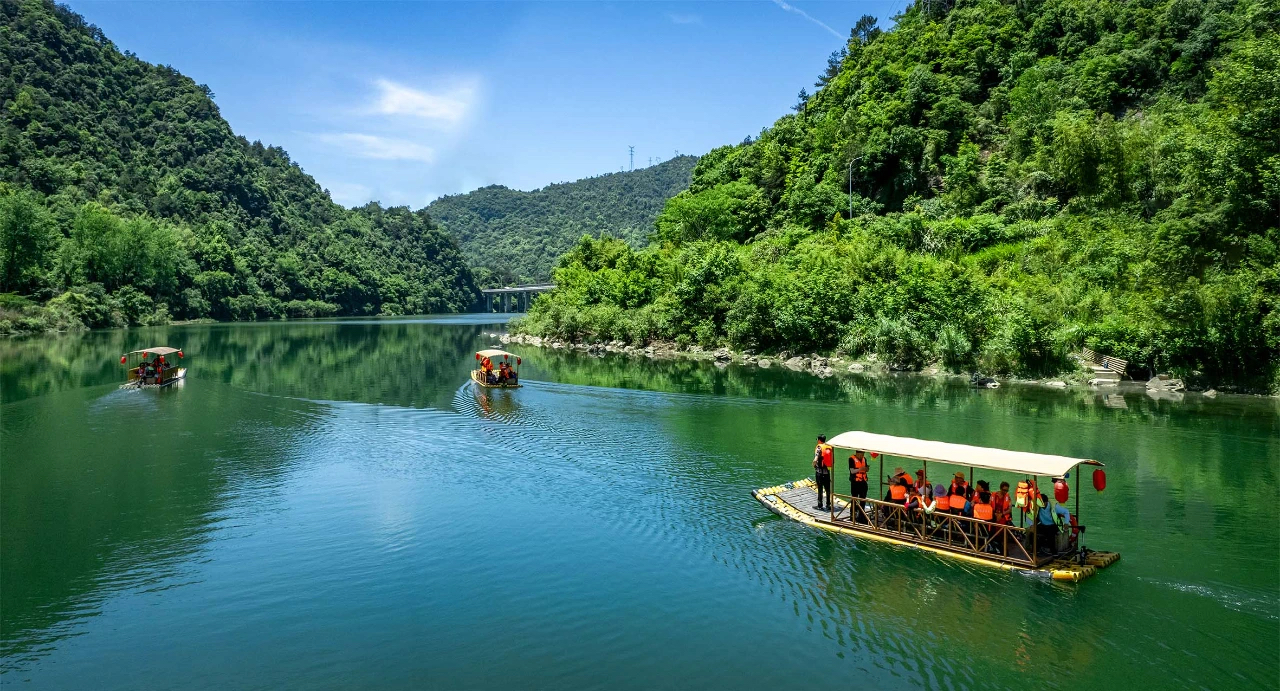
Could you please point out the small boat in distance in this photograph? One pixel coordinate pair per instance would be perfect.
(914, 519)
(504, 375)
(153, 370)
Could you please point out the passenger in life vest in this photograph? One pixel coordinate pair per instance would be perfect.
(959, 494)
(983, 507)
(941, 500)
(824, 456)
(899, 485)
(921, 481)
(1002, 504)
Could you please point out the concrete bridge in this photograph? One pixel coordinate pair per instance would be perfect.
(513, 296)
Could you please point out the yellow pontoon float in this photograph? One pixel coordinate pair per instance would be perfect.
(920, 524)
(152, 368)
(502, 375)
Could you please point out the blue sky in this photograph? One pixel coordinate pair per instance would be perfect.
(403, 102)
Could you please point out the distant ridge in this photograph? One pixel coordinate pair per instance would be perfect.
(510, 236)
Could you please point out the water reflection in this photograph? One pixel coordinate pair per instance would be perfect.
(106, 490)
(320, 482)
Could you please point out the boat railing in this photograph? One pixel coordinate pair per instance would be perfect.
(954, 533)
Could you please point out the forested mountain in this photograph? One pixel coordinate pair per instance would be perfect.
(515, 237)
(126, 198)
(1028, 177)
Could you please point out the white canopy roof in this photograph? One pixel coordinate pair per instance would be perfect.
(493, 352)
(959, 454)
(158, 350)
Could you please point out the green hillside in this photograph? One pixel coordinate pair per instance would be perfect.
(1028, 178)
(125, 198)
(515, 237)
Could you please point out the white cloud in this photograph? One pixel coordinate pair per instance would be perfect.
(802, 13)
(447, 107)
(381, 148)
(677, 18)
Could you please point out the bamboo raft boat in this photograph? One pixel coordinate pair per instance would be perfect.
(155, 374)
(481, 374)
(1004, 546)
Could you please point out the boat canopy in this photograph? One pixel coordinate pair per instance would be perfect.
(493, 352)
(960, 454)
(158, 350)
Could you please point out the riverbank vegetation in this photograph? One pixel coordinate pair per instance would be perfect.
(1027, 179)
(126, 199)
(512, 237)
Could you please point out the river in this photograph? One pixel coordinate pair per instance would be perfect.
(331, 505)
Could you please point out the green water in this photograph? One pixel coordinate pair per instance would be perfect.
(332, 505)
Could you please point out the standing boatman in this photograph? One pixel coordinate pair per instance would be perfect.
(824, 457)
(858, 479)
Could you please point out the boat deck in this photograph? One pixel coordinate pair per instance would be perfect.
(797, 501)
(478, 379)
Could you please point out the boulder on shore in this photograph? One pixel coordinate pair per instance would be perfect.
(723, 355)
(797, 363)
(1163, 382)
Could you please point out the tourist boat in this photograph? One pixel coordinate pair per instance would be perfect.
(153, 369)
(1011, 547)
(491, 355)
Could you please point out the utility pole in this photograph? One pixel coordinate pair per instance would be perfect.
(850, 173)
(631, 154)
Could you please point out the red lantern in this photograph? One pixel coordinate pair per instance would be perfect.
(180, 355)
(875, 455)
(504, 357)
(1099, 479)
(161, 359)
(123, 358)
(517, 361)
(1060, 491)
(477, 356)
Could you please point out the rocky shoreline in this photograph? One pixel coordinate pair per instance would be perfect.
(825, 366)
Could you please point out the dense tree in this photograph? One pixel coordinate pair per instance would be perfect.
(1025, 178)
(126, 198)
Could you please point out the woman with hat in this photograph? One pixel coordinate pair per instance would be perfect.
(899, 486)
(921, 481)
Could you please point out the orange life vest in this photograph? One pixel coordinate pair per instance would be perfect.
(828, 455)
(1001, 505)
(943, 502)
(1024, 495)
(957, 496)
(981, 511)
(898, 492)
(859, 469)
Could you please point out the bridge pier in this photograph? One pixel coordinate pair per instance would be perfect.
(512, 298)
